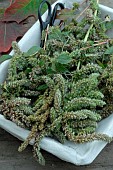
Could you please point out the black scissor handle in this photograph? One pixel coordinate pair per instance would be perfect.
(54, 13)
(43, 24)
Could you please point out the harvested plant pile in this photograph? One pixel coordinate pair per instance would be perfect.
(64, 89)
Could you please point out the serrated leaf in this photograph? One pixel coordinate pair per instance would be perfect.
(64, 58)
(21, 9)
(50, 71)
(41, 62)
(32, 51)
(4, 57)
(109, 50)
(109, 25)
(61, 68)
(10, 32)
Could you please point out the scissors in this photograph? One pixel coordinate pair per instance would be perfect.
(51, 15)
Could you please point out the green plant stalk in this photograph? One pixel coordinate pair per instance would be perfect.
(91, 26)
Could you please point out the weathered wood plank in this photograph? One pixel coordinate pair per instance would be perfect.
(10, 157)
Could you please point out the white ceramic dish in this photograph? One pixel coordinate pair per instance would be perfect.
(79, 154)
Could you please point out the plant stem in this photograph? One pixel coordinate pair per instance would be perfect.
(82, 12)
(83, 2)
(91, 26)
(46, 37)
(98, 44)
(11, 2)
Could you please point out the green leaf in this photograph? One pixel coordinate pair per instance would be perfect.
(53, 66)
(4, 57)
(41, 62)
(32, 51)
(75, 5)
(50, 71)
(28, 70)
(55, 34)
(101, 64)
(109, 25)
(109, 50)
(61, 68)
(64, 58)
(42, 87)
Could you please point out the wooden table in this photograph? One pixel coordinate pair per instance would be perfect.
(11, 159)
